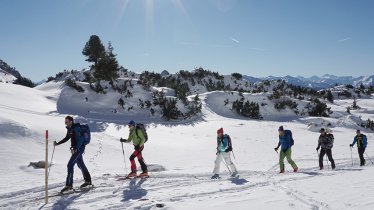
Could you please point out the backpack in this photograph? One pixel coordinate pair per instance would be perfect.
(228, 142)
(327, 141)
(85, 133)
(142, 128)
(290, 133)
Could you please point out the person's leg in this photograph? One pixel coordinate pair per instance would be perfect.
(329, 155)
(141, 160)
(227, 157)
(217, 163)
(321, 154)
(132, 160)
(361, 152)
(82, 166)
(282, 155)
(70, 166)
(289, 159)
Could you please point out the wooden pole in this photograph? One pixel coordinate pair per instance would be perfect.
(46, 167)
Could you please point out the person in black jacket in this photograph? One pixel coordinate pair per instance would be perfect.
(77, 149)
(325, 142)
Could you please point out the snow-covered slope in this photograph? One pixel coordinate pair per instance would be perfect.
(181, 157)
(6, 77)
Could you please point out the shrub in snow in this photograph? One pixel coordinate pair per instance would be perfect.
(121, 103)
(71, 83)
(319, 109)
(247, 109)
(170, 110)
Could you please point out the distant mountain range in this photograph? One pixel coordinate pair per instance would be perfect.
(316, 82)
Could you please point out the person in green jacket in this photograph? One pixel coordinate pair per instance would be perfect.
(138, 139)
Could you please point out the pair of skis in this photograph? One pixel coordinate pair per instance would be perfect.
(121, 178)
(74, 190)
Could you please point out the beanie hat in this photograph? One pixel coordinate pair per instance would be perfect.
(220, 130)
(132, 122)
(280, 128)
(322, 130)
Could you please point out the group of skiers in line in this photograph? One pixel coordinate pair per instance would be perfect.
(224, 149)
(325, 143)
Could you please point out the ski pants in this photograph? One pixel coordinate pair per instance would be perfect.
(138, 154)
(227, 158)
(361, 152)
(77, 158)
(286, 154)
(328, 152)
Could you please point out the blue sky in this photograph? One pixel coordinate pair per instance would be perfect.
(258, 38)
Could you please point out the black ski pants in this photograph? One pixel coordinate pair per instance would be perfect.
(361, 152)
(328, 152)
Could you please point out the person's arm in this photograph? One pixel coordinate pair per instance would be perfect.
(365, 140)
(354, 141)
(319, 143)
(67, 137)
(279, 144)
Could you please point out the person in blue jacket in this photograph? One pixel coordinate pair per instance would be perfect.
(286, 140)
(224, 148)
(362, 143)
(77, 149)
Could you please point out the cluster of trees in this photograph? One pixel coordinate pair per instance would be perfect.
(369, 124)
(247, 109)
(169, 107)
(318, 108)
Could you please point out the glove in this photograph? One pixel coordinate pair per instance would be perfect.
(55, 143)
(137, 147)
(227, 150)
(73, 150)
(123, 140)
(351, 145)
(317, 148)
(276, 149)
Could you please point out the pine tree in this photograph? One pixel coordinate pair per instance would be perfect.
(94, 50)
(329, 96)
(107, 67)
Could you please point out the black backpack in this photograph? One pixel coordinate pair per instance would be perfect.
(142, 128)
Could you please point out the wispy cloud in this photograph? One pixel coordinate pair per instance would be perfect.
(345, 39)
(235, 40)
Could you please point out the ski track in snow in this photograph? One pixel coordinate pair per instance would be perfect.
(145, 193)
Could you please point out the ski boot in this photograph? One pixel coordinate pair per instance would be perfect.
(215, 176)
(86, 184)
(234, 174)
(132, 174)
(67, 189)
(295, 169)
(144, 174)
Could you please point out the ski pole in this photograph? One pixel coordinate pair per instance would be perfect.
(369, 158)
(233, 154)
(124, 158)
(50, 163)
(224, 161)
(351, 156)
